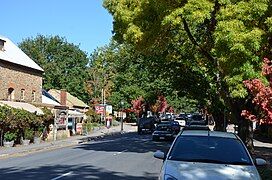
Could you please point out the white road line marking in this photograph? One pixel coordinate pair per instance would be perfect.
(119, 152)
(63, 175)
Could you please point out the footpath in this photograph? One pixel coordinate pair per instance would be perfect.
(97, 133)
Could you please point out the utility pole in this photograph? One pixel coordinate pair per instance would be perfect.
(55, 127)
(104, 105)
(102, 102)
(122, 127)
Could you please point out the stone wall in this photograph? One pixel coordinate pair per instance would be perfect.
(20, 77)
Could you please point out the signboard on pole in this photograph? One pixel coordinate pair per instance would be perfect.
(61, 118)
(108, 110)
(79, 128)
(99, 109)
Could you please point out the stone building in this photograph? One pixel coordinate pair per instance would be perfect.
(20, 76)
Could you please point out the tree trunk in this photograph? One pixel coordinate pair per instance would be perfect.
(219, 121)
(245, 129)
(245, 132)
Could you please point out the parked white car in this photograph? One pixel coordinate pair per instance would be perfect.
(181, 118)
(209, 155)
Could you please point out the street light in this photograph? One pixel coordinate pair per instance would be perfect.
(122, 127)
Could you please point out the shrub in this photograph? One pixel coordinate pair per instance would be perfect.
(115, 123)
(10, 136)
(29, 134)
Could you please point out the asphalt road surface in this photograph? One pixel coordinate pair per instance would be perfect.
(128, 156)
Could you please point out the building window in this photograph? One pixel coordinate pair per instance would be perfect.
(11, 96)
(22, 94)
(33, 95)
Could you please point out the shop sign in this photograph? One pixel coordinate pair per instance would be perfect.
(61, 118)
(99, 109)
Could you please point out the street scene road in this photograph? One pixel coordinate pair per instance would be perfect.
(123, 156)
(79, 91)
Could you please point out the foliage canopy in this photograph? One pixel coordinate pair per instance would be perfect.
(64, 64)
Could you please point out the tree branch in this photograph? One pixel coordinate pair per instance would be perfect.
(192, 39)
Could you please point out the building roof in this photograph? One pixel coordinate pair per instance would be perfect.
(73, 113)
(22, 105)
(15, 55)
(71, 100)
(46, 100)
(49, 99)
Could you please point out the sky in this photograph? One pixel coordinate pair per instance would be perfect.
(82, 22)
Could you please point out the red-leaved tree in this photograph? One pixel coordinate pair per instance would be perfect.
(262, 96)
(162, 104)
(137, 106)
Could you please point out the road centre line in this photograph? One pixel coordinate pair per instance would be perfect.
(63, 175)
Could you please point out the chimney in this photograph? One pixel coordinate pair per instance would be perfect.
(2, 43)
(63, 97)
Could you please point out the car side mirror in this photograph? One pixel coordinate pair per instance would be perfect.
(260, 162)
(159, 155)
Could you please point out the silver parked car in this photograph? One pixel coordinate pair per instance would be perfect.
(204, 154)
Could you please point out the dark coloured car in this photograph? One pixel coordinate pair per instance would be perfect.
(146, 124)
(166, 117)
(195, 119)
(166, 130)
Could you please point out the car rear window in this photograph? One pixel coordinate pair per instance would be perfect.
(163, 127)
(208, 149)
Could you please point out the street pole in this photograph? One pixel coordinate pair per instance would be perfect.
(102, 94)
(55, 127)
(122, 127)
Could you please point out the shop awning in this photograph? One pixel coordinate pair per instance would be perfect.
(72, 113)
(22, 105)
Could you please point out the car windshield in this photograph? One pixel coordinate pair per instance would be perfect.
(209, 149)
(182, 116)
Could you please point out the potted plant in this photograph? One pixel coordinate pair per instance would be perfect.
(28, 136)
(9, 138)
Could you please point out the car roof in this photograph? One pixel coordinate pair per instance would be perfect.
(164, 124)
(196, 127)
(208, 133)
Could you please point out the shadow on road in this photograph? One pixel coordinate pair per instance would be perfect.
(129, 142)
(72, 172)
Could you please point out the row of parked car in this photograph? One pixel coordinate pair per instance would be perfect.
(199, 153)
(168, 126)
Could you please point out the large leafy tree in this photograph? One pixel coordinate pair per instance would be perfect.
(124, 75)
(64, 64)
(127, 75)
(222, 40)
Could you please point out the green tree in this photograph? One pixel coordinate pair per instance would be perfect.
(125, 75)
(183, 104)
(224, 41)
(101, 72)
(64, 64)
